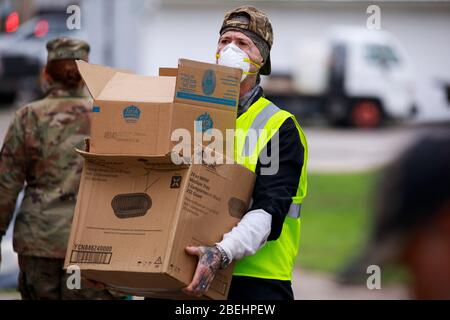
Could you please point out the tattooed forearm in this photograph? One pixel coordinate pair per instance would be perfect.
(211, 258)
(203, 283)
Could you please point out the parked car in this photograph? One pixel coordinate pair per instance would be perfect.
(19, 73)
(23, 53)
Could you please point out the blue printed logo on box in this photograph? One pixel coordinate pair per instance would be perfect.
(204, 122)
(209, 82)
(131, 114)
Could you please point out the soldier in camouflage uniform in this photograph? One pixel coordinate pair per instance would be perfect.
(38, 156)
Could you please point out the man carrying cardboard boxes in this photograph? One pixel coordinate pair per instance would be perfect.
(138, 213)
(266, 240)
(137, 209)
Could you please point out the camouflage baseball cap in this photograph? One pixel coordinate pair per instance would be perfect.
(256, 25)
(67, 48)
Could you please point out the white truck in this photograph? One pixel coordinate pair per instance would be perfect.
(355, 77)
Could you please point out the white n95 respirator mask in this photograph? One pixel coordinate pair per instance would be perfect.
(232, 56)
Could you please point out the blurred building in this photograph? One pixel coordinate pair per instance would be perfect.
(142, 35)
(175, 28)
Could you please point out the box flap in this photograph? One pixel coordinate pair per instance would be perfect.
(208, 84)
(105, 83)
(132, 160)
(168, 72)
(138, 88)
(95, 76)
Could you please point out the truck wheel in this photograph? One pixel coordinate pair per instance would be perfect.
(366, 114)
(336, 111)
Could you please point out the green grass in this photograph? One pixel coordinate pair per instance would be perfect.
(335, 219)
(336, 222)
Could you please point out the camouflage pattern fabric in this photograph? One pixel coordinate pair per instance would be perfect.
(38, 155)
(45, 279)
(67, 48)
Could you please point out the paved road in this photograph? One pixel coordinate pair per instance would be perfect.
(314, 286)
(309, 285)
(352, 150)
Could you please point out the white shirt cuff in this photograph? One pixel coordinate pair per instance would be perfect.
(248, 236)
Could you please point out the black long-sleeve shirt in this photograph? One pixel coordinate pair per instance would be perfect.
(273, 193)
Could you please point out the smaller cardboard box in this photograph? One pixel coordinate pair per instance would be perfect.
(135, 114)
(136, 214)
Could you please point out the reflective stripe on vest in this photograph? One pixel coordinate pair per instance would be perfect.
(294, 210)
(258, 124)
(275, 260)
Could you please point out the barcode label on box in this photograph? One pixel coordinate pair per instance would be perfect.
(90, 257)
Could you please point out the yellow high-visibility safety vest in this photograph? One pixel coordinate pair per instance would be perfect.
(275, 260)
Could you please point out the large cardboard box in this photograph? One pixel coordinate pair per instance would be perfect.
(135, 114)
(135, 215)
